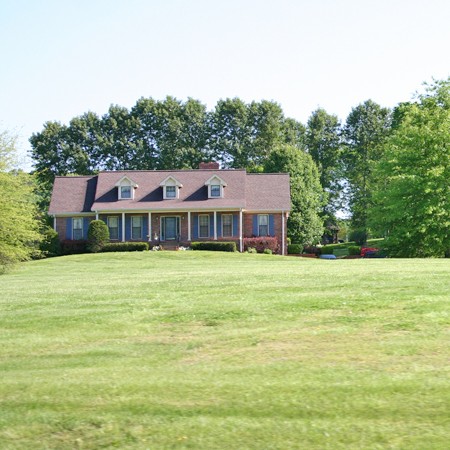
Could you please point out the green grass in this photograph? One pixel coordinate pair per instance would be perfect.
(198, 350)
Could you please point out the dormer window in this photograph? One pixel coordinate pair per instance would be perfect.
(216, 190)
(215, 187)
(171, 188)
(126, 187)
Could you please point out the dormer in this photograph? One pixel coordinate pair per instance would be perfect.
(171, 188)
(126, 187)
(215, 187)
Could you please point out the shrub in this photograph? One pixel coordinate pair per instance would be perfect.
(251, 250)
(358, 236)
(267, 251)
(125, 247)
(295, 249)
(327, 250)
(312, 250)
(261, 243)
(98, 235)
(50, 245)
(214, 246)
(354, 250)
(69, 247)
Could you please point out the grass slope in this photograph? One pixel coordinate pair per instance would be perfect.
(211, 350)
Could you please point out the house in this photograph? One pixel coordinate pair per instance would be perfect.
(174, 206)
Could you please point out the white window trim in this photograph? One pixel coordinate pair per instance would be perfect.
(221, 221)
(268, 225)
(123, 182)
(209, 225)
(131, 192)
(171, 181)
(118, 221)
(215, 180)
(141, 227)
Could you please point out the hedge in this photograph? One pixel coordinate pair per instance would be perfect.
(261, 244)
(294, 249)
(70, 247)
(125, 247)
(214, 246)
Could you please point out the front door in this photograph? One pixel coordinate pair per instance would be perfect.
(170, 228)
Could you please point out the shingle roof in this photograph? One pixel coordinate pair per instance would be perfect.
(98, 193)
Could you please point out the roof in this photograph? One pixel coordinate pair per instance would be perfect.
(263, 192)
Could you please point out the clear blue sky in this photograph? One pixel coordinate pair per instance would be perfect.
(61, 58)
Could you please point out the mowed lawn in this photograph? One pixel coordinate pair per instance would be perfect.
(174, 350)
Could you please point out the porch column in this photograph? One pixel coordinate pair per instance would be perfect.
(54, 223)
(96, 215)
(149, 226)
(215, 225)
(240, 231)
(123, 227)
(282, 233)
(189, 225)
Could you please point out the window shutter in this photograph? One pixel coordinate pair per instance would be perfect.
(235, 225)
(211, 226)
(271, 225)
(195, 230)
(127, 228)
(69, 228)
(86, 222)
(255, 225)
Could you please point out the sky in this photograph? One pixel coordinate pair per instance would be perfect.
(62, 58)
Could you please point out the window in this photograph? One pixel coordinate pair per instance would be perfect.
(171, 192)
(136, 227)
(113, 226)
(263, 225)
(77, 228)
(227, 225)
(203, 226)
(125, 192)
(215, 190)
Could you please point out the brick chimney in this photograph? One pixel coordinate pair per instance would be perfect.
(212, 165)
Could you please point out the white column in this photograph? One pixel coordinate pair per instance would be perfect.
(149, 226)
(123, 227)
(96, 215)
(241, 249)
(215, 225)
(189, 225)
(282, 233)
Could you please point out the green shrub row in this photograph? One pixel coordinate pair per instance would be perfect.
(294, 249)
(69, 247)
(125, 247)
(214, 246)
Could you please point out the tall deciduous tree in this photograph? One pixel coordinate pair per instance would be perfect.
(307, 195)
(19, 227)
(365, 131)
(323, 143)
(413, 197)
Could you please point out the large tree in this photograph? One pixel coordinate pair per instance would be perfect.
(365, 132)
(307, 195)
(323, 143)
(412, 203)
(19, 227)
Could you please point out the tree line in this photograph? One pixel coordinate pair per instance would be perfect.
(389, 169)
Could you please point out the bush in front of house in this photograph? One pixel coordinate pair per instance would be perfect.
(294, 249)
(267, 251)
(125, 247)
(70, 247)
(261, 243)
(98, 236)
(214, 246)
(251, 250)
(327, 250)
(50, 245)
(312, 250)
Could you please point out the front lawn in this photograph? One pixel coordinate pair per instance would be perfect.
(205, 350)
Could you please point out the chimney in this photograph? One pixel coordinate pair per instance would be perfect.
(212, 165)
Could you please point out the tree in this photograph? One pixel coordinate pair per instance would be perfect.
(365, 132)
(307, 196)
(323, 143)
(19, 226)
(412, 201)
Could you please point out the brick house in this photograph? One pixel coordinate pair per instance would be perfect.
(174, 206)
